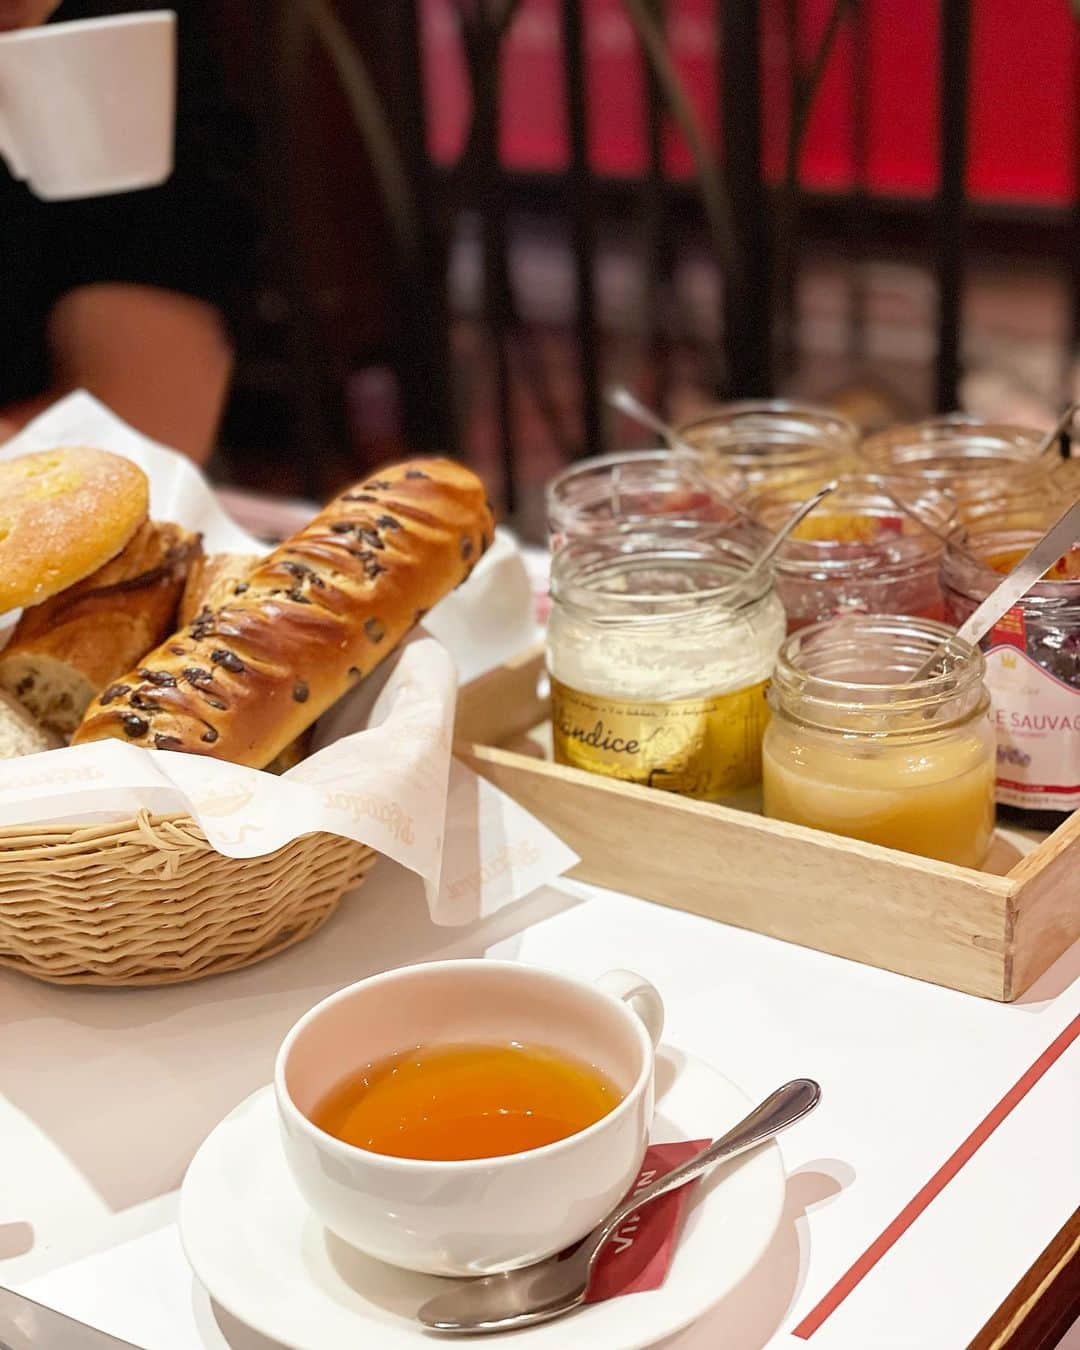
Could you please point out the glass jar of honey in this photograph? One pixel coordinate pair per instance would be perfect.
(1033, 664)
(660, 650)
(858, 552)
(979, 464)
(860, 747)
(771, 442)
(630, 489)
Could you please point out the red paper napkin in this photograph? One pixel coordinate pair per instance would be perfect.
(639, 1254)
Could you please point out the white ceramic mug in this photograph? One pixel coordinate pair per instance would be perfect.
(481, 1215)
(88, 107)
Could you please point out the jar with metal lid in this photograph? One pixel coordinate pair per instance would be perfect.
(977, 463)
(1033, 665)
(772, 442)
(631, 489)
(858, 746)
(660, 650)
(858, 552)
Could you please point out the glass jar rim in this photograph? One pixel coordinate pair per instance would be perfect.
(777, 413)
(579, 568)
(664, 461)
(856, 495)
(954, 444)
(964, 668)
(977, 583)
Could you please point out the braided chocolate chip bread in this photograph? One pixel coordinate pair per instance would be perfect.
(314, 617)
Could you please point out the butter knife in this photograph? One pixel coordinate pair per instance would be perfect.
(26, 1325)
(1056, 542)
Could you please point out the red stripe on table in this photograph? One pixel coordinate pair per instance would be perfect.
(936, 1184)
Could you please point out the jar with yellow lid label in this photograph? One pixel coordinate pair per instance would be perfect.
(660, 654)
(858, 746)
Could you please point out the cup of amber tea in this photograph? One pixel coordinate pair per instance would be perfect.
(469, 1117)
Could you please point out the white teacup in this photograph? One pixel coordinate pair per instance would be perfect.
(481, 1215)
(88, 107)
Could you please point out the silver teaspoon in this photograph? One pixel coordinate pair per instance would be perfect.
(558, 1284)
(620, 398)
(726, 486)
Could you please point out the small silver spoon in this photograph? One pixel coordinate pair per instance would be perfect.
(798, 515)
(727, 487)
(620, 398)
(557, 1285)
(1055, 543)
(1049, 441)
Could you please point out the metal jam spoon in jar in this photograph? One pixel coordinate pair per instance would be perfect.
(1054, 544)
(726, 486)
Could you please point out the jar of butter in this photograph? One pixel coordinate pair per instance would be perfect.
(1032, 660)
(858, 746)
(660, 651)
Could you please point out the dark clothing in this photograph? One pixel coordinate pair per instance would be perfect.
(193, 234)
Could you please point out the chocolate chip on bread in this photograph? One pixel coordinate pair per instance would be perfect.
(213, 581)
(241, 681)
(63, 514)
(69, 648)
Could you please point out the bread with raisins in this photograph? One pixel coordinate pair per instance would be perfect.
(307, 623)
(67, 649)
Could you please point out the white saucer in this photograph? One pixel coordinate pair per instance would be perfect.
(263, 1256)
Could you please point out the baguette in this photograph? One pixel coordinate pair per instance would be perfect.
(310, 621)
(68, 649)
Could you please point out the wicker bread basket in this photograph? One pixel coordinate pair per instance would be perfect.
(147, 901)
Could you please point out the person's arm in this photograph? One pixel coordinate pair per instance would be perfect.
(158, 359)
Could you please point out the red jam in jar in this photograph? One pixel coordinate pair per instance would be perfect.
(858, 552)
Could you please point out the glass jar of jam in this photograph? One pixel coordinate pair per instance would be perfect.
(858, 552)
(1033, 664)
(978, 463)
(860, 747)
(660, 654)
(630, 489)
(772, 442)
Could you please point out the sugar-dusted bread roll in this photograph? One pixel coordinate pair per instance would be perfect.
(63, 513)
(66, 650)
(19, 733)
(313, 618)
(212, 580)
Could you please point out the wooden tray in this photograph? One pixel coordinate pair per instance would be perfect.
(979, 932)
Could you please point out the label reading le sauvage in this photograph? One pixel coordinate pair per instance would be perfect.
(1037, 720)
(701, 747)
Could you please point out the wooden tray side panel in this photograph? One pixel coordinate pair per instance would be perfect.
(504, 703)
(905, 914)
(1045, 909)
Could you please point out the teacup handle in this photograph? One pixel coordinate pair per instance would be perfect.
(640, 995)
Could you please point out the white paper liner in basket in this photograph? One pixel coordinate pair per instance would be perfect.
(381, 771)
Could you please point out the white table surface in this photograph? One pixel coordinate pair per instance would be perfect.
(105, 1095)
